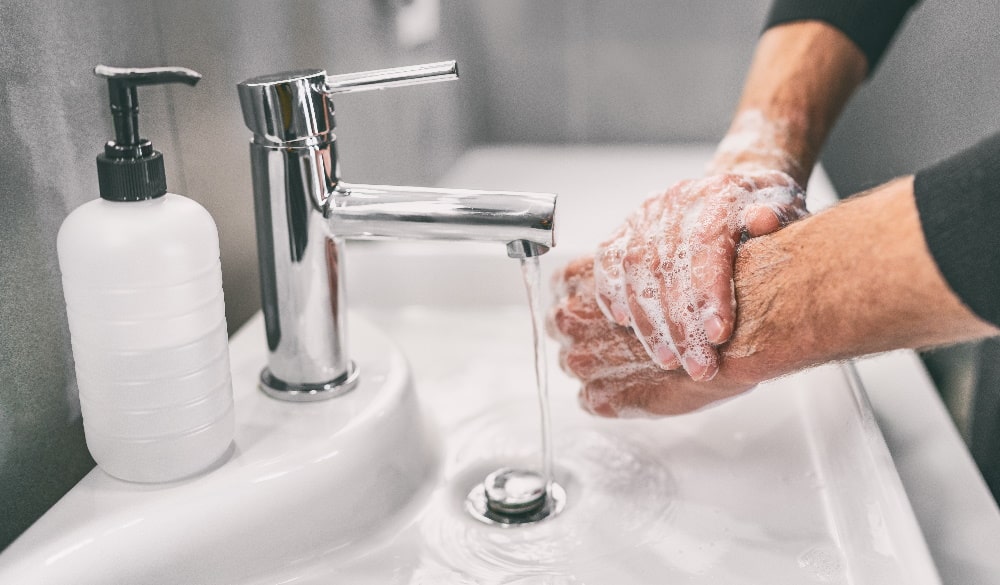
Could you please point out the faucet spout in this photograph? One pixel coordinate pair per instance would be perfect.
(382, 211)
(304, 212)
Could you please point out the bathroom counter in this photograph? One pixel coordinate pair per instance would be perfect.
(778, 483)
(958, 516)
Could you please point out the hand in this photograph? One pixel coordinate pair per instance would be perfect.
(668, 271)
(808, 294)
(618, 380)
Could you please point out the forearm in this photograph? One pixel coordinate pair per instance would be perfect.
(677, 248)
(801, 76)
(854, 280)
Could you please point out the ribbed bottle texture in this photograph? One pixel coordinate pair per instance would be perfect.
(143, 289)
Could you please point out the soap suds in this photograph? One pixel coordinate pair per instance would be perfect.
(666, 270)
(754, 139)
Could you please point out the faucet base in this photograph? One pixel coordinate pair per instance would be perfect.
(281, 390)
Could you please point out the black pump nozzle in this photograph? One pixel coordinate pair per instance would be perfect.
(129, 169)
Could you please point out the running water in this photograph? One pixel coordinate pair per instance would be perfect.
(532, 283)
(517, 496)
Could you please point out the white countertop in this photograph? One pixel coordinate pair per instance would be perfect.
(958, 516)
(452, 309)
(955, 510)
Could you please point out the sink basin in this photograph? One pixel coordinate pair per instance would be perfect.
(302, 480)
(790, 483)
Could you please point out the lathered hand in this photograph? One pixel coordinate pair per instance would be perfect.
(667, 272)
(618, 379)
(779, 329)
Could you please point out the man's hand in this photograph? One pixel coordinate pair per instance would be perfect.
(853, 280)
(617, 378)
(667, 272)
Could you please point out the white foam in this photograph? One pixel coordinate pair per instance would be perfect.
(651, 256)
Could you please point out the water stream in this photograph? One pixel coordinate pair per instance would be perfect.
(531, 273)
(512, 496)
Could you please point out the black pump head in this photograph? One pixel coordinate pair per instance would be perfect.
(129, 169)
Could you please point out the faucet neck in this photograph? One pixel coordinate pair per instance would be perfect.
(303, 212)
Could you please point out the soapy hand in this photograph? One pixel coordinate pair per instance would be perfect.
(618, 379)
(667, 272)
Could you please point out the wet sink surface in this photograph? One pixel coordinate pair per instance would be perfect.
(755, 490)
(791, 483)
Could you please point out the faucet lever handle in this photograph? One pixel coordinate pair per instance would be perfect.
(394, 77)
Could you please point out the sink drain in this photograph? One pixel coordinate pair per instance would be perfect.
(509, 497)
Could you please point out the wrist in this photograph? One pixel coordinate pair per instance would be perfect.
(757, 141)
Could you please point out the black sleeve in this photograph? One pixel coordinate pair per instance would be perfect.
(869, 23)
(959, 204)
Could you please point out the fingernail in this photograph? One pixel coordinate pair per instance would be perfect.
(699, 372)
(666, 358)
(602, 409)
(715, 329)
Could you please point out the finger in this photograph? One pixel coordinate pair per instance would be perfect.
(552, 328)
(621, 397)
(595, 398)
(713, 253)
(660, 305)
(650, 326)
(687, 292)
(574, 323)
(712, 275)
(684, 306)
(776, 207)
(695, 354)
(761, 221)
(567, 280)
(582, 364)
(765, 219)
(608, 283)
(648, 276)
(562, 361)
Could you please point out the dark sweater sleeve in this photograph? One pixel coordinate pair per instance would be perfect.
(869, 23)
(959, 204)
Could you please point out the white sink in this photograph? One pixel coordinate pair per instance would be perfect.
(791, 483)
(303, 480)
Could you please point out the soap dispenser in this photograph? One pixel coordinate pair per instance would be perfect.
(143, 287)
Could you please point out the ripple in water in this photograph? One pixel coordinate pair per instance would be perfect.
(618, 497)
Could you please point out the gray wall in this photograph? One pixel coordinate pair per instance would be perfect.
(605, 71)
(52, 124)
(669, 71)
(54, 120)
(937, 91)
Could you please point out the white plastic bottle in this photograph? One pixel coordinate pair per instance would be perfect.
(143, 287)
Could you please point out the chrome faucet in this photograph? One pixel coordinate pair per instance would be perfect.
(304, 211)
